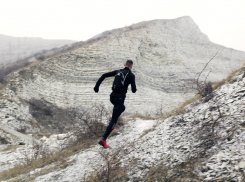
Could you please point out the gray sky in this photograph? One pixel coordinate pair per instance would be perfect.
(222, 20)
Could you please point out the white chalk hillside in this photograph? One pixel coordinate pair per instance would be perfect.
(168, 54)
(204, 143)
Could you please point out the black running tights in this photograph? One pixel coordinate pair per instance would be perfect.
(117, 111)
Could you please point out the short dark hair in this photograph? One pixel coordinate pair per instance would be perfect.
(129, 63)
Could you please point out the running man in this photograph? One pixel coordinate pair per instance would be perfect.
(117, 97)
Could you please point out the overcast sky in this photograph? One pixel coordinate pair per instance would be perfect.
(222, 20)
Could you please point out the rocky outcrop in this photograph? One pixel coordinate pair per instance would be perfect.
(15, 120)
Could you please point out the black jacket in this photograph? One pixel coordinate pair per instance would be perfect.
(130, 79)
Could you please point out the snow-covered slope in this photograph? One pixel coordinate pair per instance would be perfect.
(208, 135)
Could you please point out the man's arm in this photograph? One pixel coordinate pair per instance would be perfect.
(133, 86)
(109, 74)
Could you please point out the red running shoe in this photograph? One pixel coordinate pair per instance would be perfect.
(103, 143)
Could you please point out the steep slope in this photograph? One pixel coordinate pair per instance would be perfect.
(204, 143)
(167, 55)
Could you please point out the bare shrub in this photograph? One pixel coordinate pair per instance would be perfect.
(56, 119)
(41, 57)
(51, 117)
(3, 140)
(206, 91)
(99, 111)
(39, 150)
(88, 125)
(86, 128)
(22, 129)
(203, 88)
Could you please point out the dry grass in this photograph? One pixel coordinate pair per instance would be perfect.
(141, 116)
(40, 163)
(59, 158)
(180, 109)
(43, 171)
(230, 78)
(35, 63)
(147, 131)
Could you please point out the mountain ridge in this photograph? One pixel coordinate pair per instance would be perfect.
(18, 48)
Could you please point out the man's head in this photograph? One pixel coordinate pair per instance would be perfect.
(129, 64)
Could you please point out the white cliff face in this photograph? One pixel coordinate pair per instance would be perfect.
(167, 55)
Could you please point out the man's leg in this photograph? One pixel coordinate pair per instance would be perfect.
(117, 110)
(112, 99)
(123, 109)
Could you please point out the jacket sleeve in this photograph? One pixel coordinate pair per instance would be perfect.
(109, 74)
(133, 86)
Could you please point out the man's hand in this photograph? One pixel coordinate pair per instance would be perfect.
(96, 89)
